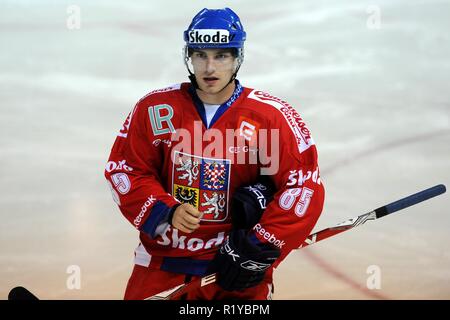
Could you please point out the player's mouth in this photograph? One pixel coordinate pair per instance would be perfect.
(210, 81)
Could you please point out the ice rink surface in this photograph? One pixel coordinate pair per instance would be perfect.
(375, 96)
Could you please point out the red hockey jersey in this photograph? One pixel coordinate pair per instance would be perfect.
(166, 154)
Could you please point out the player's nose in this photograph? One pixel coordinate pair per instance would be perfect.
(210, 66)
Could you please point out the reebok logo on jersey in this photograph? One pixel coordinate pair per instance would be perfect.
(216, 36)
(144, 208)
(270, 237)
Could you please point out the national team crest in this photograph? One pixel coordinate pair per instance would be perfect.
(202, 182)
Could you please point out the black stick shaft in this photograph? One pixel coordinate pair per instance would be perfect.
(410, 200)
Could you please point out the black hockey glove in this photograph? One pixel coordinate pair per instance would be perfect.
(249, 202)
(240, 264)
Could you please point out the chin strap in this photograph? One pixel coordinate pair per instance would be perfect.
(193, 80)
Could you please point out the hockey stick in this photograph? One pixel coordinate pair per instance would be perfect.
(176, 292)
(375, 214)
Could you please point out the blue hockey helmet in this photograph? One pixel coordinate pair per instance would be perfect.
(215, 28)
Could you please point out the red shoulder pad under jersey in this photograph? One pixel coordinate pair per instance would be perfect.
(134, 167)
(298, 202)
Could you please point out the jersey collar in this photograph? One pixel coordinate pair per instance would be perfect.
(223, 107)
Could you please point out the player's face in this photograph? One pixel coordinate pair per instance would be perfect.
(213, 68)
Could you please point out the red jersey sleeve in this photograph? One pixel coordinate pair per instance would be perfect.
(298, 202)
(132, 173)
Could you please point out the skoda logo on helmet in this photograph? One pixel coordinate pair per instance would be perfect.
(213, 36)
(220, 28)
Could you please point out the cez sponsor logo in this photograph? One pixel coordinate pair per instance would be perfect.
(247, 130)
(191, 244)
(147, 204)
(270, 237)
(210, 36)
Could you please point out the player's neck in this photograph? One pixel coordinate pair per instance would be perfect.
(219, 97)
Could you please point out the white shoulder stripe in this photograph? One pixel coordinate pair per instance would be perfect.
(170, 88)
(293, 119)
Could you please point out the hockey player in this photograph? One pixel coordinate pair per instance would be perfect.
(184, 166)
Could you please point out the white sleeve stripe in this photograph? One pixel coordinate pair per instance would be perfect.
(141, 256)
(293, 119)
